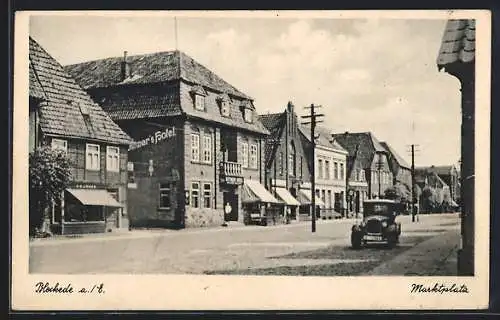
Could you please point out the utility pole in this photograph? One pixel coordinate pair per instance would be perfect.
(313, 116)
(413, 197)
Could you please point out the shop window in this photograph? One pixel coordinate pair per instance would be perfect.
(165, 196)
(207, 149)
(113, 159)
(195, 147)
(59, 144)
(207, 195)
(92, 161)
(253, 156)
(195, 194)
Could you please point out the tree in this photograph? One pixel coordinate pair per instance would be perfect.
(49, 173)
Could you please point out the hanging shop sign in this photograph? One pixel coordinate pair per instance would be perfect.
(155, 138)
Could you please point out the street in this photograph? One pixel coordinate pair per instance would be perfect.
(426, 248)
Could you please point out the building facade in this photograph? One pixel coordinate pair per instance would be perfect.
(449, 174)
(401, 170)
(63, 117)
(286, 164)
(331, 171)
(198, 140)
(367, 161)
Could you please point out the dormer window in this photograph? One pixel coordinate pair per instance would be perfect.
(248, 115)
(199, 101)
(225, 108)
(199, 95)
(247, 110)
(84, 110)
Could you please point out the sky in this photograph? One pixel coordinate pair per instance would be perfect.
(377, 75)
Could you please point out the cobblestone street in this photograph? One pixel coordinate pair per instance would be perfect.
(426, 248)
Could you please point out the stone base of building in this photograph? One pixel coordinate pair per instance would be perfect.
(196, 218)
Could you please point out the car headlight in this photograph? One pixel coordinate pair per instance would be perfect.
(384, 224)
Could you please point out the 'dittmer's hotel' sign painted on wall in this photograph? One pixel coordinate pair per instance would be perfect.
(155, 138)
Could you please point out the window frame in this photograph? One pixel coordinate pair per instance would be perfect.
(207, 148)
(225, 108)
(108, 160)
(199, 102)
(245, 154)
(251, 163)
(192, 196)
(64, 148)
(195, 147)
(98, 152)
(167, 186)
(205, 196)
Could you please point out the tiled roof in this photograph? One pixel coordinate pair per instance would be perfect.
(367, 143)
(397, 157)
(140, 102)
(36, 90)
(325, 138)
(60, 114)
(274, 123)
(148, 69)
(458, 44)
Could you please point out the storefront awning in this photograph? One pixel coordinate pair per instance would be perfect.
(284, 195)
(255, 192)
(94, 197)
(305, 198)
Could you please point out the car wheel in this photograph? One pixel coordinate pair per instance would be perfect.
(356, 241)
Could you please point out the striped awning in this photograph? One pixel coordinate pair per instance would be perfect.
(305, 198)
(94, 197)
(256, 192)
(287, 197)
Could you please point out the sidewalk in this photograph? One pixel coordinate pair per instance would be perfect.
(159, 232)
(434, 257)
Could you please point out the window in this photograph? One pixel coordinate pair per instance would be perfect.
(247, 115)
(301, 159)
(195, 194)
(281, 162)
(320, 169)
(59, 144)
(207, 148)
(253, 156)
(327, 169)
(336, 170)
(113, 159)
(207, 195)
(292, 170)
(224, 108)
(323, 196)
(362, 175)
(165, 196)
(342, 171)
(199, 102)
(244, 154)
(329, 199)
(195, 147)
(92, 157)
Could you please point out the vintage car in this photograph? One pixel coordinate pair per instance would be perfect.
(379, 223)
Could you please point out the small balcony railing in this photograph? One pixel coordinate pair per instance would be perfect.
(231, 169)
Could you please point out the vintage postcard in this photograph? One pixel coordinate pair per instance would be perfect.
(260, 160)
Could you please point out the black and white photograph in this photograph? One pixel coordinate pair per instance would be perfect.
(232, 160)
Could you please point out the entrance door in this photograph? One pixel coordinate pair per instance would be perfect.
(230, 212)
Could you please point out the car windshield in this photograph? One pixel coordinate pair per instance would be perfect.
(381, 209)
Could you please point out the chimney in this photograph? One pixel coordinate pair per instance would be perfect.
(126, 73)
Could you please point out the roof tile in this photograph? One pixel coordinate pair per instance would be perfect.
(60, 112)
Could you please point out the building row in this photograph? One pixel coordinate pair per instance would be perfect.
(159, 140)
